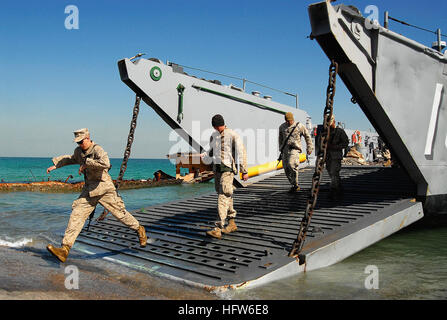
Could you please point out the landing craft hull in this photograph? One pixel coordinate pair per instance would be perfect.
(257, 119)
(401, 87)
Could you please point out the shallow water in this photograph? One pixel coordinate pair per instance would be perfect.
(412, 264)
(39, 216)
(33, 214)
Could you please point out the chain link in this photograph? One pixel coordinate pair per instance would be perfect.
(130, 138)
(321, 159)
(133, 126)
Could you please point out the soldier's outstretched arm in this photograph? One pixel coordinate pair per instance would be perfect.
(63, 161)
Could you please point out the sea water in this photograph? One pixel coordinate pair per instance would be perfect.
(34, 169)
(411, 264)
(33, 216)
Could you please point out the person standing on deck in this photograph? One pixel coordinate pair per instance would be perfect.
(225, 147)
(98, 188)
(290, 134)
(337, 142)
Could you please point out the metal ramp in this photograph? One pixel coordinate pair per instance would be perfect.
(268, 222)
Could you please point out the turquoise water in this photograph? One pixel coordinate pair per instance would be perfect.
(32, 215)
(412, 264)
(34, 169)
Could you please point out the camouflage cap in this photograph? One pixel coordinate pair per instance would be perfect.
(289, 116)
(81, 134)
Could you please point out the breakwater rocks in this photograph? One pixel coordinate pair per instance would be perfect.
(65, 187)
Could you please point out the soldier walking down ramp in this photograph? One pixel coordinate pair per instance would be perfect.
(226, 147)
(99, 188)
(290, 134)
(337, 142)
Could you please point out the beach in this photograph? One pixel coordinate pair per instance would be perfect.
(31, 220)
(31, 273)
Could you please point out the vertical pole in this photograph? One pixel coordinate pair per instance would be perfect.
(439, 40)
(387, 21)
(296, 97)
(243, 83)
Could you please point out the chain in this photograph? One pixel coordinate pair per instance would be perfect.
(133, 126)
(321, 159)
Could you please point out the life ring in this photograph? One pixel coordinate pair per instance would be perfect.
(156, 73)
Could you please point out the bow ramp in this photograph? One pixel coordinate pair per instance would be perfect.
(400, 85)
(378, 202)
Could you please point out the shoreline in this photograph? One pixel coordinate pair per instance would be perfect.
(31, 273)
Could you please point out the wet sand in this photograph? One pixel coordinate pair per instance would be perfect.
(31, 273)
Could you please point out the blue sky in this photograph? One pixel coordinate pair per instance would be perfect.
(55, 80)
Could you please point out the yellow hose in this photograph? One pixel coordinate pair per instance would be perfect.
(269, 167)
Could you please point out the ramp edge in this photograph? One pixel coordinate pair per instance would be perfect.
(345, 247)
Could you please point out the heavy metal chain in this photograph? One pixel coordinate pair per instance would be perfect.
(130, 138)
(319, 167)
(133, 125)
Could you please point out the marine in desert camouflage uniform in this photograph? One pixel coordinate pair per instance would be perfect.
(99, 188)
(225, 147)
(292, 147)
(338, 141)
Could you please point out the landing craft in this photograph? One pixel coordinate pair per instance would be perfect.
(377, 203)
(401, 87)
(187, 104)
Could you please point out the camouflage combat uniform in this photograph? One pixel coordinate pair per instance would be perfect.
(98, 188)
(337, 142)
(225, 148)
(293, 149)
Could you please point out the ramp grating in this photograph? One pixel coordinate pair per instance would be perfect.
(268, 221)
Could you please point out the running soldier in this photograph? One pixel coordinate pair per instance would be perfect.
(99, 188)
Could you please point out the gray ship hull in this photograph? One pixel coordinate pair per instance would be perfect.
(255, 118)
(401, 87)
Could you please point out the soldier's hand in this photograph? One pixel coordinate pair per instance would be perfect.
(245, 176)
(51, 169)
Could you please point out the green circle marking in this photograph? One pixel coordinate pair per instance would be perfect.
(156, 73)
